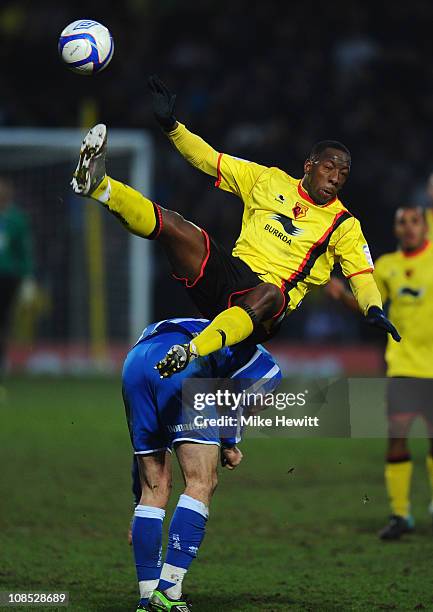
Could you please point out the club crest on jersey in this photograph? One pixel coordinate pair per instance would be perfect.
(299, 210)
(288, 226)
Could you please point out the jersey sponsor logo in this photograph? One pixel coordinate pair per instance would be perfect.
(368, 255)
(299, 210)
(416, 293)
(288, 226)
(281, 235)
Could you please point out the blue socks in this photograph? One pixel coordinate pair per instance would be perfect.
(147, 545)
(187, 529)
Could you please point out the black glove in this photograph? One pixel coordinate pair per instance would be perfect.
(376, 317)
(162, 103)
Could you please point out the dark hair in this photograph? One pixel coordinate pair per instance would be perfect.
(412, 206)
(319, 147)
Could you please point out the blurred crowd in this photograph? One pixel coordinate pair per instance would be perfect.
(263, 81)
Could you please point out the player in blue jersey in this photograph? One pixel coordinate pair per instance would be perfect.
(159, 421)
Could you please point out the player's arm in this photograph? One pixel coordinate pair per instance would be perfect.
(353, 254)
(258, 378)
(235, 175)
(338, 291)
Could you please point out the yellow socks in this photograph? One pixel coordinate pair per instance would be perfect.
(397, 479)
(134, 210)
(229, 327)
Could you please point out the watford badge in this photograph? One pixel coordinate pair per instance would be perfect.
(299, 210)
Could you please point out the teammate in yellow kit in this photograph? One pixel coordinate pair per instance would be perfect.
(429, 207)
(405, 280)
(293, 232)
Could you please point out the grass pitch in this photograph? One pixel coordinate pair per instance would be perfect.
(278, 538)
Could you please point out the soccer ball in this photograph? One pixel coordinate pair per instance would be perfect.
(86, 46)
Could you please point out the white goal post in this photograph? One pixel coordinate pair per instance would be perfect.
(51, 152)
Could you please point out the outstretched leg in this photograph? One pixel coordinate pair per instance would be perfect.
(185, 245)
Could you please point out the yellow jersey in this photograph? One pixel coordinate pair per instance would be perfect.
(286, 238)
(406, 281)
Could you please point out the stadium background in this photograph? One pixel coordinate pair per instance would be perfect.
(262, 81)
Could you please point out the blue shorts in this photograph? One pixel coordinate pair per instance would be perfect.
(153, 405)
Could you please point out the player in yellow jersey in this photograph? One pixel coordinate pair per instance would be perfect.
(429, 208)
(293, 232)
(405, 280)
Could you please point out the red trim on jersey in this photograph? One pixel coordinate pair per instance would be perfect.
(422, 248)
(219, 177)
(316, 244)
(361, 272)
(187, 282)
(305, 195)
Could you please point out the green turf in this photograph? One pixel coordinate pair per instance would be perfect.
(304, 540)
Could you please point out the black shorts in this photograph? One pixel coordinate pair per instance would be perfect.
(222, 279)
(410, 396)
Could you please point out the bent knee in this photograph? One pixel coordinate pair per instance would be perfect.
(398, 448)
(271, 292)
(202, 488)
(156, 493)
(266, 300)
(399, 426)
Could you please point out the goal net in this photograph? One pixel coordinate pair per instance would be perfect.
(94, 278)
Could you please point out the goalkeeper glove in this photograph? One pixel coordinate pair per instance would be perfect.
(376, 317)
(162, 103)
